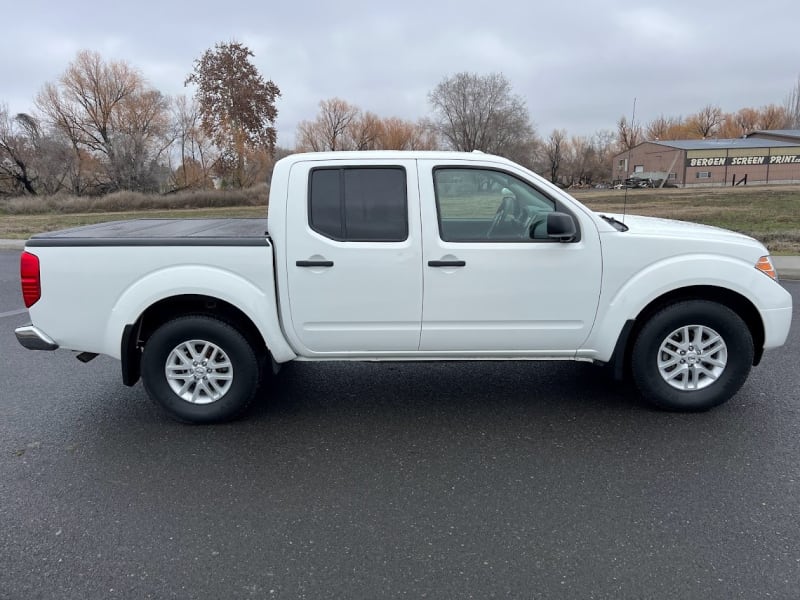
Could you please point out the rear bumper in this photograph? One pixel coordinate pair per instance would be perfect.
(33, 338)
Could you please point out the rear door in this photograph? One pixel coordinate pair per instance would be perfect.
(354, 257)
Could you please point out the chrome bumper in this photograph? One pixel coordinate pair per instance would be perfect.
(33, 338)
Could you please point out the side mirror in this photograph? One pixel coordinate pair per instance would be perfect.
(561, 226)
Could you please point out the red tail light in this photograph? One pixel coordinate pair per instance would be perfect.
(29, 275)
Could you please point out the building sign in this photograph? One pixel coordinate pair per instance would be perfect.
(747, 160)
(717, 161)
(735, 161)
(784, 159)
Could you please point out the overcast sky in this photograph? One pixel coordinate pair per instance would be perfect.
(578, 64)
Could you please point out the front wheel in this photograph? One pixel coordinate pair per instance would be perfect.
(692, 356)
(200, 369)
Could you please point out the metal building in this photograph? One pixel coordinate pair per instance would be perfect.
(762, 157)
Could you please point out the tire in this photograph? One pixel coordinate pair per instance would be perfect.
(692, 356)
(200, 369)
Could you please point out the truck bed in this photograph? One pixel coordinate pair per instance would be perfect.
(160, 232)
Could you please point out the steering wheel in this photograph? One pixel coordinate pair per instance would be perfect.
(534, 223)
(499, 216)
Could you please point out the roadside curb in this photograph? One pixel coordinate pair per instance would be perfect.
(788, 267)
(12, 244)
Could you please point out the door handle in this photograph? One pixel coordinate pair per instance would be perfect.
(314, 263)
(447, 263)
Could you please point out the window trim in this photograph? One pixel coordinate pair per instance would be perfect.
(342, 209)
(558, 207)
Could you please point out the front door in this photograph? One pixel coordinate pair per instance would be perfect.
(494, 283)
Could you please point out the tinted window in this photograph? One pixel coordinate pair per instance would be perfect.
(359, 204)
(325, 207)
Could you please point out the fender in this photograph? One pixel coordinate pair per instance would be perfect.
(668, 275)
(258, 304)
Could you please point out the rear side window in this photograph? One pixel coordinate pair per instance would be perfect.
(359, 204)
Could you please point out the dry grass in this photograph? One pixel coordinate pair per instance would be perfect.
(134, 201)
(21, 227)
(768, 213)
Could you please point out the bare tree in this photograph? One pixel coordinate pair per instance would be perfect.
(480, 112)
(142, 135)
(792, 106)
(773, 116)
(740, 123)
(604, 143)
(705, 124)
(340, 125)
(17, 151)
(581, 160)
(365, 132)
(33, 160)
(665, 128)
(195, 152)
(554, 149)
(237, 106)
(110, 117)
(628, 134)
(329, 130)
(400, 134)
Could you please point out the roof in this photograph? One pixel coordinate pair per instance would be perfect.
(725, 143)
(392, 154)
(782, 132)
(367, 156)
(791, 135)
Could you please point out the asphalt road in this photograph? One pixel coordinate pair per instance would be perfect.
(470, 480)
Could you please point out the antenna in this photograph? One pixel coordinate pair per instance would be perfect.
(628, 162)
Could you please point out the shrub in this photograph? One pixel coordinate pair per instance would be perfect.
(132, 201)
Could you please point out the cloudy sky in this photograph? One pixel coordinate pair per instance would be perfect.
(579, 64)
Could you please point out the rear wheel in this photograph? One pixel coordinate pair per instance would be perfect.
(692, 356)
(200, 369)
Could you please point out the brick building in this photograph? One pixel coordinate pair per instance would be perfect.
(761, 157)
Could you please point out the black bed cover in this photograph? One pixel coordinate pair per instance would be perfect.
(160, 232)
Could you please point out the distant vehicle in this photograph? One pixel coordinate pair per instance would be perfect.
(636, 183)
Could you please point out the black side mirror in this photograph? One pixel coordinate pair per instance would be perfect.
(561, 226)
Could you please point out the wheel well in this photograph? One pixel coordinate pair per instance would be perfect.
(733, 300)
(137, 334)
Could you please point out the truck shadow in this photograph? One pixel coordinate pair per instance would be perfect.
(459, 387)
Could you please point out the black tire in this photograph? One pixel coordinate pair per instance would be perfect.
(697, 381)
(221, 389)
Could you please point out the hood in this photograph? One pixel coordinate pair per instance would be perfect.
(669, 228)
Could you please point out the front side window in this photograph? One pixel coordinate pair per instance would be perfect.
(359, 204)
(487, 205)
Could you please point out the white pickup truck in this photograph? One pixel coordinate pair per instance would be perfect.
(405, 256)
